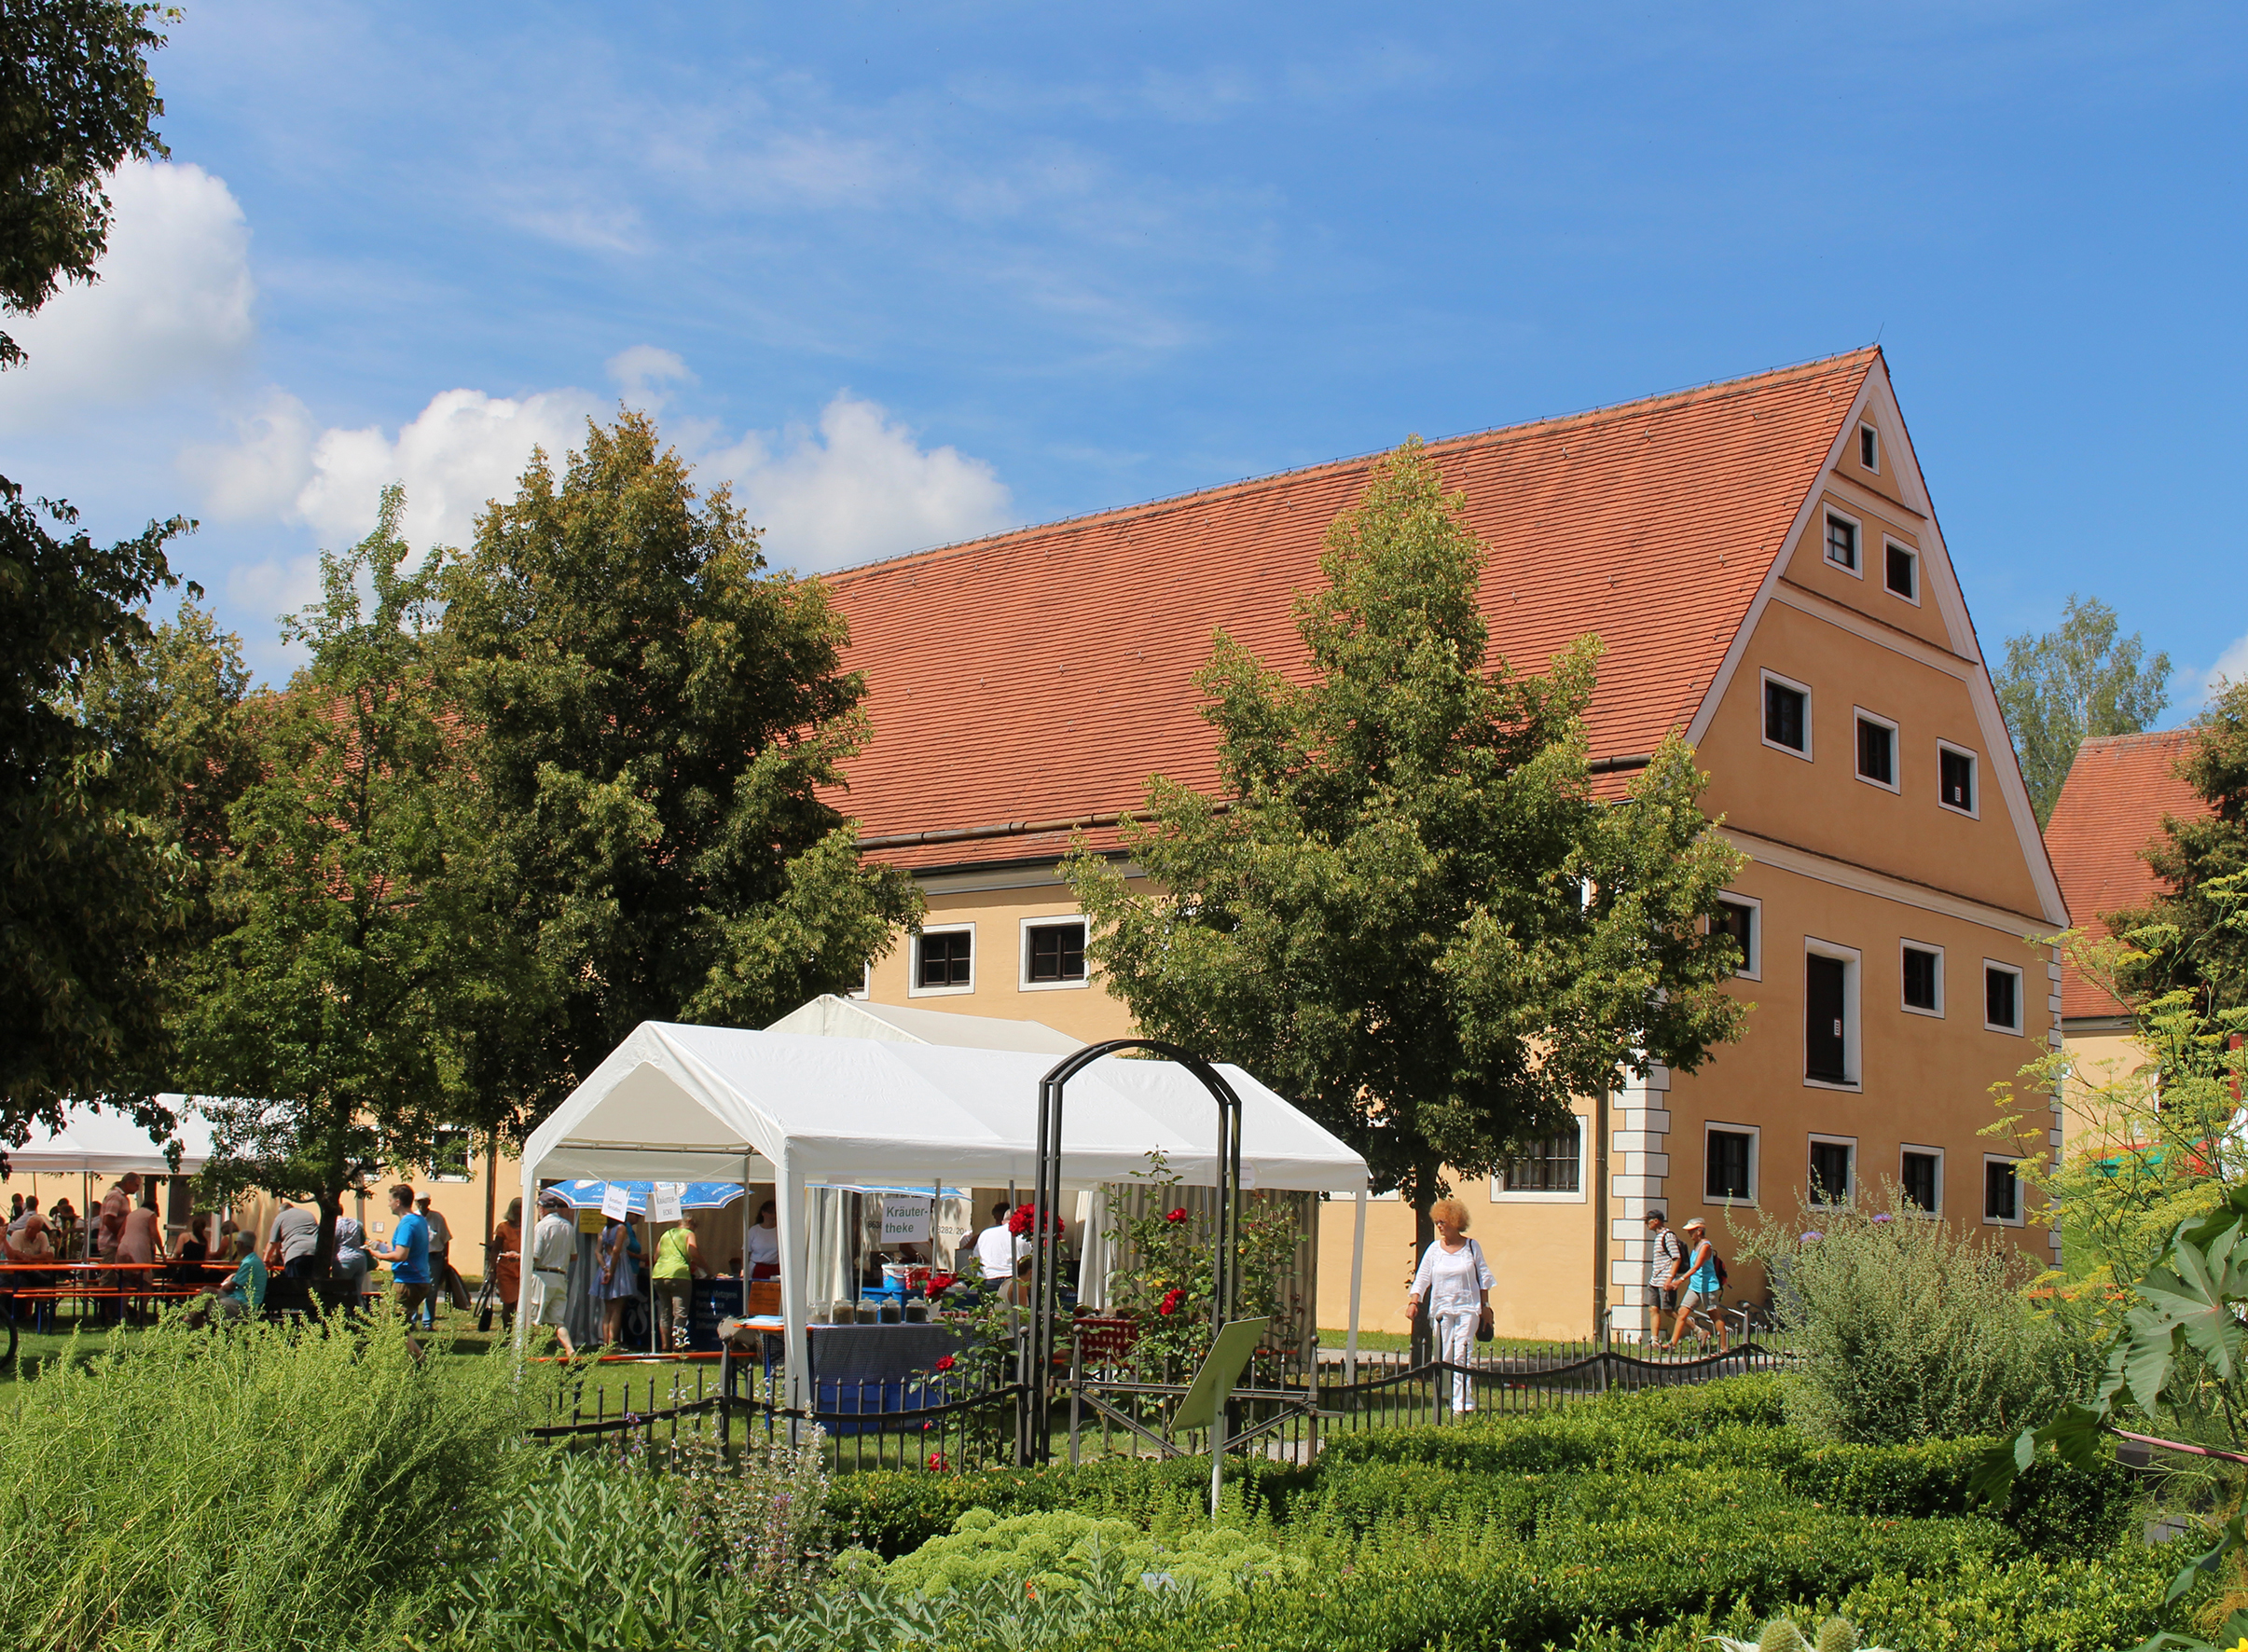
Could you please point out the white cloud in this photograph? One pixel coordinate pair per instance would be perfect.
(463, 449)
(859, 487)
(642, 369)
(174, 303)
(2192, 688)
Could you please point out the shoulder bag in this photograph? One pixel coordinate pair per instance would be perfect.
(1486, 1323)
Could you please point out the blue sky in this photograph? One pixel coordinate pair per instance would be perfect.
(907, 273)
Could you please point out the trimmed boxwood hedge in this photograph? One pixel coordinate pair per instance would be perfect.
(1635, 1519)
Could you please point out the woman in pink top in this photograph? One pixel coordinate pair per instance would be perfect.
(141, 1240)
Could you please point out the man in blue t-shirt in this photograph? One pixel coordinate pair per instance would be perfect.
(408, 1253)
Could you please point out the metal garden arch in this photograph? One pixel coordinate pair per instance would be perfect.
(1036, 1360)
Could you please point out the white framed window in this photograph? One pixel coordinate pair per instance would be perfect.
(1741, 917)
(1051, 955)
(1870, 449)
(1391, 1197)
(1730, 1155)
(1921, 978)
(943, 961)
(1786, 715)
(2001, 1191)
(1900, 572)
(1956, 786)
(1877, 752)
(1549, 1170)
(1919, 1178)
(2001, 997)
(1844, 539)
(1830, 1015)
(448, 1153)
(1832, 1181)
(866, 982)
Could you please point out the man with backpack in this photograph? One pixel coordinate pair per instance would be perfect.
(1664, 1256)
(1700, 1280)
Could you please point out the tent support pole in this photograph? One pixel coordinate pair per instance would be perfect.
(1358, 1281)
(796, 1352)
(525, 1279)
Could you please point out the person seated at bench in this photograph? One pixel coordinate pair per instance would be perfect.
(244, 1291)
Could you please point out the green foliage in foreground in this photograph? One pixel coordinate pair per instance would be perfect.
(270, 1489)
(1913, 1330)
(1044, 1552)
(263, 1487)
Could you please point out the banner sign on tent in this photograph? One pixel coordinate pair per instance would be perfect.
(905, 1219)
(955, 1223)
(663, 1201)
(616, 1201)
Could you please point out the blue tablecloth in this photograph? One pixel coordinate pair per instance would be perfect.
(872, 1369)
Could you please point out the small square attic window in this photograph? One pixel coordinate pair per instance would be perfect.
(1841, 542)
(1868, 448)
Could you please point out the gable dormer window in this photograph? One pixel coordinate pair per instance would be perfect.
(1868, 448)
(1841, 542)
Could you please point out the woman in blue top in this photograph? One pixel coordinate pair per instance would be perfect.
(620, 1272)
(1698, 1272)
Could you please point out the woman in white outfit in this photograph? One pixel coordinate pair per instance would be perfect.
(1455, 1284)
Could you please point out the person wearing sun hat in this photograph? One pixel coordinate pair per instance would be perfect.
(1697, 1283)
(552, 1243)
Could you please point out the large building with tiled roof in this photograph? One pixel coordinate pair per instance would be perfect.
(1763, 564)
(2119, 791)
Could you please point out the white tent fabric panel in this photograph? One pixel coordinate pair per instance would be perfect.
(831, 1017)
(675, 1100)
(110, 1144)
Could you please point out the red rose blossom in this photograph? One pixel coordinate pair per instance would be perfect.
(945, 1362)
(1177, 1216)
(1171, 1298)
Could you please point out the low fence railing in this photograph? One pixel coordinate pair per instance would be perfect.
(1283, 1408)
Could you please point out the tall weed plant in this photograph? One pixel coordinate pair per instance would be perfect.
(1912, 1329)
(259, 1486)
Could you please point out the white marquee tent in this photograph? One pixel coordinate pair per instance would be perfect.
(111, 1144)
(705, 1103)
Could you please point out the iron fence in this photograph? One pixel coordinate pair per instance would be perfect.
(894, 1423)
(1117, 1401)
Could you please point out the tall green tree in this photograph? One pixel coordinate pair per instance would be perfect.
(75, 101)
(89, 894)
(656, 719)
(2071, 684)
(1411, 910)
(84, 892)
(367, 947)
(183, 698)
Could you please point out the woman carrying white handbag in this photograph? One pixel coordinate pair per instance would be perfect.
(1456, 1283)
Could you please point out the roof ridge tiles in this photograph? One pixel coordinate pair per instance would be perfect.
(1713, 390)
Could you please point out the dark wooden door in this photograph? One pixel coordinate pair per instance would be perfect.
(1824, 1046)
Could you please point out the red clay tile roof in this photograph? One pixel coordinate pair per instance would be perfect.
(1044, 674)
(2110, 808)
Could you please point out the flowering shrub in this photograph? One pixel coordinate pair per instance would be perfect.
(1164, 1265)
(1020, 1218)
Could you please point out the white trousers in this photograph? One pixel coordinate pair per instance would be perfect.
(1456, 1345)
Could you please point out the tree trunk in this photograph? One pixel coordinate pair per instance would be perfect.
(1423, 1234)
(330, 1201)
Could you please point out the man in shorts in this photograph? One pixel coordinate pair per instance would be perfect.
(408, 1253)
(553, 1242)
(1664, 1257)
